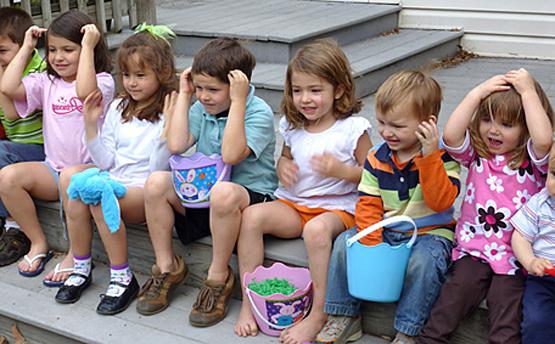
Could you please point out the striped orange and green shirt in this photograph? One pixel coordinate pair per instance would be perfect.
(28, 129)
(423, 188)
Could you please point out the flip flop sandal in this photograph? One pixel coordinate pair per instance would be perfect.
(57, 270)
(45, 257)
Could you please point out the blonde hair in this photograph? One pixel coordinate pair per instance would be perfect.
(322, 58)
(416, 89)
(506, 106)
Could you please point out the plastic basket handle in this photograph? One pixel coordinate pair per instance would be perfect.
(385, 223)
(205, 198)
(261, 317)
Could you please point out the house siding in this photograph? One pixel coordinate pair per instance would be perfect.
(512, 28)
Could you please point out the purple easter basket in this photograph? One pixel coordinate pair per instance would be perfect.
(194, 176)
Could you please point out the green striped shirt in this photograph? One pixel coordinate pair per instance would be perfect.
(28, 129)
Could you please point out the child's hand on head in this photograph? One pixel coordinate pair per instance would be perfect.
(91, 36)
(238, 86)
(493, 84)
(186, 85)
(521, 80)
(428, 135)
(32, 36)
(92, 107)
(327, 165)
(537, 266)
(287, 171)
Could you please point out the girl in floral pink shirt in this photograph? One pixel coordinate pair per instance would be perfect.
(501, 132)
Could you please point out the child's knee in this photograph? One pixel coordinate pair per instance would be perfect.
(433, 258)
(225, 197)
(252, 220)
(316, 233)
(65, 175)
(156, 186)
(8, 178)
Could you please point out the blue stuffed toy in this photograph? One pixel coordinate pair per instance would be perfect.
(93, 186)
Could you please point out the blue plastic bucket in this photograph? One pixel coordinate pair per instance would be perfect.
(376, 273)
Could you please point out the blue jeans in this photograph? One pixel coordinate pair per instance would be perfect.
(426, 272)
(12, 152)
(538, 307)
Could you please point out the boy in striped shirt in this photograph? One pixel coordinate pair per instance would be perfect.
(24, 135)
(409, 175)
(533, 243)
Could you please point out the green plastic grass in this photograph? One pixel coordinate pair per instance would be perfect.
(272, 286)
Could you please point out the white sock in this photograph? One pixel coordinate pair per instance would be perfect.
(121, 274)
(82, 266)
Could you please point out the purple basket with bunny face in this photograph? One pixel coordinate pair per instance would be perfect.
(194, 176)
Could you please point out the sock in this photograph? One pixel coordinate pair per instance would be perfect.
(11, 225)
(121, 274)
(82, 265)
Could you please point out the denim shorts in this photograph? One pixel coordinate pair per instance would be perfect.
(54, 174)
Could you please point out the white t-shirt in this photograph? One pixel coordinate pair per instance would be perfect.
(313, 189)
(129, 151)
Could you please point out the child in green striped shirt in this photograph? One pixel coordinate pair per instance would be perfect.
(23, 140)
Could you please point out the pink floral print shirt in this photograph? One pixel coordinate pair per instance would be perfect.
(494, 192)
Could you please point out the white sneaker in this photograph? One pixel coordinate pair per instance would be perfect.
(340, 330)
(402, 338)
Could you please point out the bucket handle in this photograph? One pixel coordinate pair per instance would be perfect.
(385, 223)
(261, 317)
(220, 178)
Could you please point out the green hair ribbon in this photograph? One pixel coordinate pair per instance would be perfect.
(161, 31)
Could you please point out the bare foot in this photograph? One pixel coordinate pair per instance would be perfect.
(246, 325)
(305, 331)
(63, 270)
(33, 252)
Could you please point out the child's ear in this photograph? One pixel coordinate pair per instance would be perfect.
(339, 91)
(433, 118)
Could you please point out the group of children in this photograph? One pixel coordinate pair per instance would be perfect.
(333, 183)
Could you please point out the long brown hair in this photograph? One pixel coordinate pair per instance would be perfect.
(506, 106)
(152, 52)
(68, 26)
(322, 58)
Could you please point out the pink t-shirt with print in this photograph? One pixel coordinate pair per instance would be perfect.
(63, 124)
(494, 192)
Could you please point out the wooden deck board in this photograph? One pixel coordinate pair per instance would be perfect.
(281, 20)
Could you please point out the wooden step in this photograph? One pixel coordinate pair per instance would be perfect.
(42, 320)
(373, 60)
(274, 29)
(377, 318)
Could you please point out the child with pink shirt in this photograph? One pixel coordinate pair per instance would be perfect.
(501, 132)
(77, 64)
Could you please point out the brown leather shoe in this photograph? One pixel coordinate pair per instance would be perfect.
(154, 295)
(14, 244)
(212, 302)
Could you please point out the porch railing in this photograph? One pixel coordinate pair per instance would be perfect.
(109, 14)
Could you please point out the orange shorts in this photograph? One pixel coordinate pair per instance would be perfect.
(308, 214)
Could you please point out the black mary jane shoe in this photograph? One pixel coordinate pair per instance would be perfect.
(72, 293)
(110, 305)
